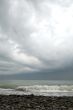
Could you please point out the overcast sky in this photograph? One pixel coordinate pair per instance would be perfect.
(36, 36)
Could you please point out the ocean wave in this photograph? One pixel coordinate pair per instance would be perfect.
(45, 90)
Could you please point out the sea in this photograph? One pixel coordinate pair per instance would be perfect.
(36, 87)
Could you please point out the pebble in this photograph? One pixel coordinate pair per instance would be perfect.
(31, 102)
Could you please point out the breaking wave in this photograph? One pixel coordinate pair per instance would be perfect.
(46, 90)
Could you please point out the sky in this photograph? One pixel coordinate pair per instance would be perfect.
(36, 36)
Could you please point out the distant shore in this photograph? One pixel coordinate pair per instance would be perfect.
(31, 102)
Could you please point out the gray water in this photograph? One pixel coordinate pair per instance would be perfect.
(37, 87)
(15, 83)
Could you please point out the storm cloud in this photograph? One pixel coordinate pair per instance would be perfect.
(36, 36)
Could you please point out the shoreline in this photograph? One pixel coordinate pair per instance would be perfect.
(32, 102)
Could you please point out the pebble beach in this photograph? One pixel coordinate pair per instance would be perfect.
(31, 102)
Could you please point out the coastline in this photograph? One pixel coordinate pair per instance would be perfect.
(31, 102)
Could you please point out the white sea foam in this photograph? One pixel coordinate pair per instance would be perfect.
(11, 92)
(47, 90)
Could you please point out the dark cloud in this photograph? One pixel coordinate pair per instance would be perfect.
(36, 36)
